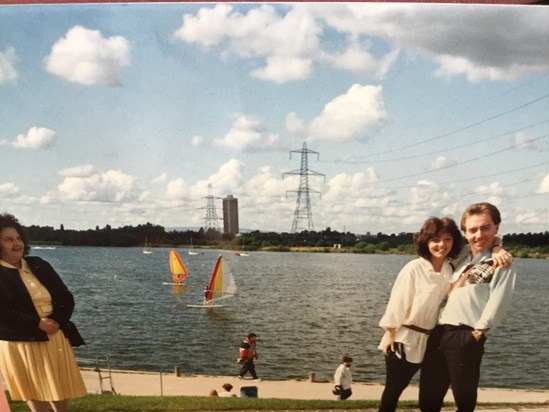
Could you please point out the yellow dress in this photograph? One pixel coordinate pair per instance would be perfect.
(40, 371)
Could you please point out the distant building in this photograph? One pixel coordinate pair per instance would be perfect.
(230, 215)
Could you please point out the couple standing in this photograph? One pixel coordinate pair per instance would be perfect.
(442, 307)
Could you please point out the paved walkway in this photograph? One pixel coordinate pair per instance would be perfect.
(155, 384)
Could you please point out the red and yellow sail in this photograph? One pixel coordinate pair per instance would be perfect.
(215, 287)
(222, 284)
(179, 271)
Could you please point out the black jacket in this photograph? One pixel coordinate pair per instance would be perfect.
(18, 317)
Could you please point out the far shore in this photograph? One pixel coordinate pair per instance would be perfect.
(287, 249)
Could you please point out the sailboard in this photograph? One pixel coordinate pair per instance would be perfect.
(222, 285)
(178, 269)
(146, 249)
(191, 251)
(242, 251)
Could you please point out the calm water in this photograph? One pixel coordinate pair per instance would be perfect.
(308, 309)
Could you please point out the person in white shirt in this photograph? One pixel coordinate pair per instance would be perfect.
(413, 307)
(478, 302)
(343, 379)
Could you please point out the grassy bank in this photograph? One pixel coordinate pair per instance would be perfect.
(105, 403)
(109, 403)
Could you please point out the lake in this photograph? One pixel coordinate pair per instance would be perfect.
(308, 309)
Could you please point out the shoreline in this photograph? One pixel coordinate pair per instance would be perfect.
(134, 383)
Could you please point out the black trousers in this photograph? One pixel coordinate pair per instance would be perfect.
(345, 394)
(248, 366)
(398, 374)
(453, 357)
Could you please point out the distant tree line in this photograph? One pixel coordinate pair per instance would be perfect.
(125, 236)
(521, 245)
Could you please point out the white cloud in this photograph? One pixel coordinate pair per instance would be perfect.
(197, 141)
(8, 189)
(283, 69)
(544, 185)
(355, 58)
(247, 135)
(534, 218)
(524, 141)
(8, 73)
(358, 59)
(349, 115)
(264, 200)
(36, 138)
(294, 37)
(176, 190)
(83, 56)
(144, 196)
(294, 124)
(78, 171)
(13, 198)
(159, 179)
(441, 162)
(109, 186)
(226, 180)
(492, 189)
(424, 195)
(286, 45)
(436, 31)
(357, 186)
(47, 199)
(287, 41)
(209, 27)
(246, 131)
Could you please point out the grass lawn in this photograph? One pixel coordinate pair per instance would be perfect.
(104, 403)
(120, 403)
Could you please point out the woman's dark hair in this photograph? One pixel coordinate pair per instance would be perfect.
(432, 228)
(7, 221)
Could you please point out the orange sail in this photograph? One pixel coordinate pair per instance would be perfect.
(179, 271)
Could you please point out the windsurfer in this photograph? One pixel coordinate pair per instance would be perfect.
(206, 292)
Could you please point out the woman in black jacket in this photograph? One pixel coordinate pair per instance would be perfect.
(36, 334)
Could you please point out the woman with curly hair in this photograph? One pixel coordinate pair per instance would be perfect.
(36, 334)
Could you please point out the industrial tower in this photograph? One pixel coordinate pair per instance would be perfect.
(230, 215)
(303, 204)
(211, 221)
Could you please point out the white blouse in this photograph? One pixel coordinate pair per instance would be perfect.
(415, 300)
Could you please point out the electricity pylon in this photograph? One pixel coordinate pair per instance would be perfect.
(303, 210)
(211, 221)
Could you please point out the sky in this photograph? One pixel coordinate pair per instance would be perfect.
(123, 114)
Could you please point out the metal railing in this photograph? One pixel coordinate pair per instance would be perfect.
(103, 369)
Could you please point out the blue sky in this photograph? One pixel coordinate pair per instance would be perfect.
(123, 114)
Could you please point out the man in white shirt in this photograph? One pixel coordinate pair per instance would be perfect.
(477, 304)
(343, 378)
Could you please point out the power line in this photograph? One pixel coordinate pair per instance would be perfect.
(465, 179)
(469, 126)
(474, 159)
(446, 149)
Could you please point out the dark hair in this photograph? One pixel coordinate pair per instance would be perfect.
(481, 209)
(346, 359)
(431, 228)
(227, 387)
(10, 221)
